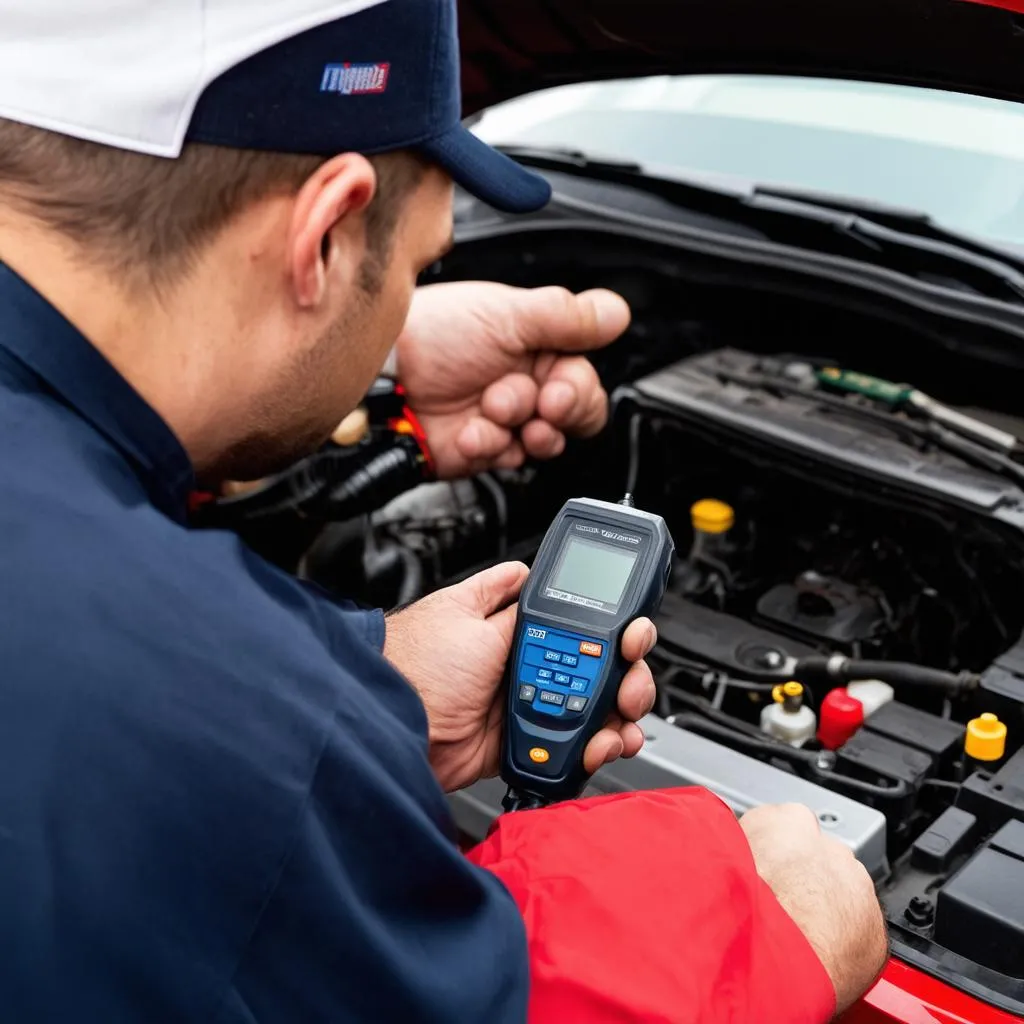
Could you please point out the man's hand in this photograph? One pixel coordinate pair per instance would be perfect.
(495, 373)
(453, 646)
(826, 892)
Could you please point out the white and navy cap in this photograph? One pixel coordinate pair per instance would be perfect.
(318, 77)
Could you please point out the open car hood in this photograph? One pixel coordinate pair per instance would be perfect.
(972, 46)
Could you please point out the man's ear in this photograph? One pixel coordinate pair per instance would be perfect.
(326, 224)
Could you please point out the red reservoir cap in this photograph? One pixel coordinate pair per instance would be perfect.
(841, 716)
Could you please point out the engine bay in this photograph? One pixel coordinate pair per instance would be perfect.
(846, 603)
(831, 543)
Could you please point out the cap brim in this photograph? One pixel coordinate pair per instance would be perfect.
(489, 175)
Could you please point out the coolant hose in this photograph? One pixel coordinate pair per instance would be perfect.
(840, 670)
(370, 485)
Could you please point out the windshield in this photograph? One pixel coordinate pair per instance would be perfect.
(958, 158)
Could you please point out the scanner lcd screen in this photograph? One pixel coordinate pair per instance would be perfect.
(591, 574)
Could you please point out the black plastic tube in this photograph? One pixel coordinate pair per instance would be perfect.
(840, 670)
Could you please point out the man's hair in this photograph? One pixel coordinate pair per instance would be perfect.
(138, 213)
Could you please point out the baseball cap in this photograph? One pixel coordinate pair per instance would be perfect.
(317, 77)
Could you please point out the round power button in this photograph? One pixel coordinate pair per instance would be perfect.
(539, 755)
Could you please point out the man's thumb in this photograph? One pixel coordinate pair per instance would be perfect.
(493, 589)
(554, 319)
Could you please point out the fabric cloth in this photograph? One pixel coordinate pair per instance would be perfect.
(646, 908)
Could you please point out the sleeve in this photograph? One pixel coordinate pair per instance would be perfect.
(372, 913)
(646, 907)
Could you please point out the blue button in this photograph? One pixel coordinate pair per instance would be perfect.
(561, 678)
(552, 656)
(544, 673)
(572, 660)
(578, 685)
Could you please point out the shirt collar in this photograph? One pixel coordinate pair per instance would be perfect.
(39, 337)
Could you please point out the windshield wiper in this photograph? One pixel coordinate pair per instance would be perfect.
(900, 218)
(573, 158)
(906, 241)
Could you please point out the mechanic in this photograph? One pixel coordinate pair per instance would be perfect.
(220, 797)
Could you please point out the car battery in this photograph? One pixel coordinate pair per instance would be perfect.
(995, 798)
(894, 768)
(939, 738)
(1001, 691)
(877, 759)
(980, 911)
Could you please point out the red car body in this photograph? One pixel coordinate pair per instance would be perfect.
(904, 995)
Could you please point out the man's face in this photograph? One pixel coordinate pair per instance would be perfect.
(323, 370)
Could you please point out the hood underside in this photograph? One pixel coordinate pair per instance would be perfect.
(960, 45)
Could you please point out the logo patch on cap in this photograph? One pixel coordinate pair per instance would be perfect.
(355, 79)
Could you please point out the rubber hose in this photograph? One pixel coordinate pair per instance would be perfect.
(897, 673)
(371, 486)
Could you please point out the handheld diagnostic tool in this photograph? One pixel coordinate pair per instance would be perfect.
(601, 566)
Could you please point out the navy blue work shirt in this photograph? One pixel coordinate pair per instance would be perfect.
(215, 800)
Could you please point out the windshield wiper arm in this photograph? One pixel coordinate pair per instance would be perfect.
(907, 241)
(901, 218)
(941, 253)
(879, 225)
(567, 156)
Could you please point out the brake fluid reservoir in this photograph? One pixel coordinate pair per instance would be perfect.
(787, 718)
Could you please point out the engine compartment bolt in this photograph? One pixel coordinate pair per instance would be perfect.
(920, 911)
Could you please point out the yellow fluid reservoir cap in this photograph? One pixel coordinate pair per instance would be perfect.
(986, 738)
(712, 516)
(784, 690)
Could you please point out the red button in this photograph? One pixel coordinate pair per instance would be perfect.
(589, 647)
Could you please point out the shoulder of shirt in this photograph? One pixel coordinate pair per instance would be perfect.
(90, 545)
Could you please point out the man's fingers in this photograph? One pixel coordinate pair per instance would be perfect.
(511, 401)
(491, 590)
(511, 458)
(572, 398)
(554, 319)
(639, 639)
(632, 739)
(617, 739)
(542, 440)
(637, 693)
(606, 746)
(480, 440)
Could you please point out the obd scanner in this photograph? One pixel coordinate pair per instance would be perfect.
(601, 565)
